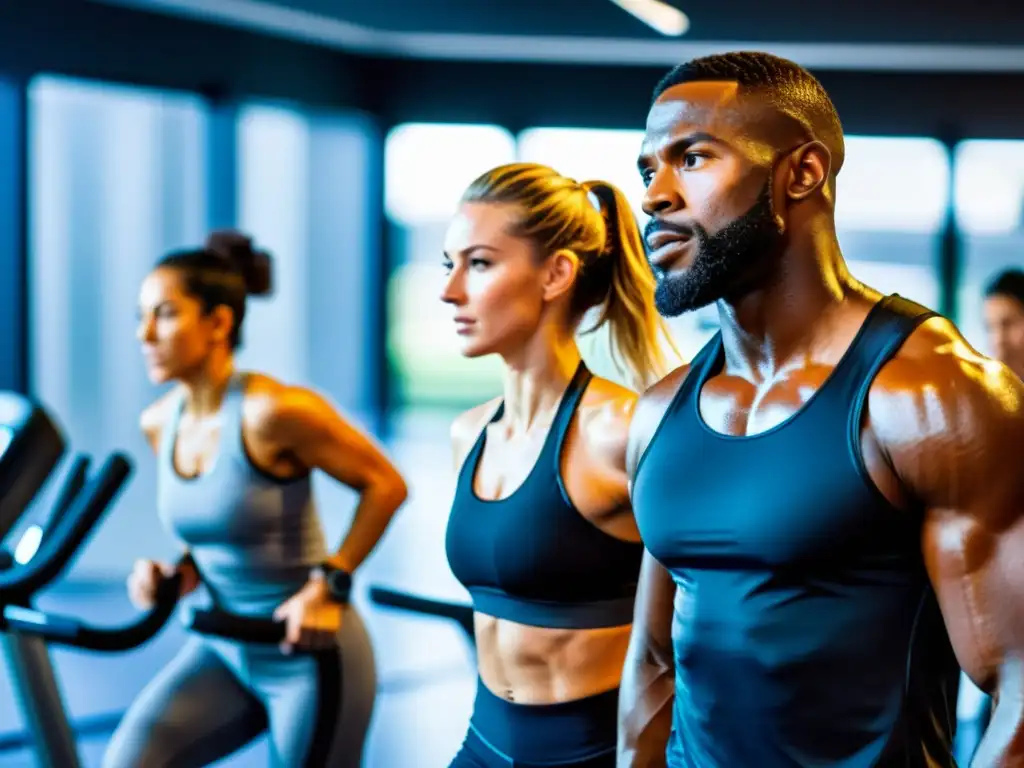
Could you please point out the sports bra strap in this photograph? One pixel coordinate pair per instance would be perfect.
(563, 416)
(568, 402)
(571, 399)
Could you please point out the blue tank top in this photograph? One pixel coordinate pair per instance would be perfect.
(805, 632)
(531, 557)
(254, 538)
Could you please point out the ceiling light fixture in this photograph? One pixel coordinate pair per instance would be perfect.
(660, 16)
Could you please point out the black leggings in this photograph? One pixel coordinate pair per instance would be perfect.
(572, 734)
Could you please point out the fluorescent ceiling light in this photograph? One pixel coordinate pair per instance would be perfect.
(659, 16)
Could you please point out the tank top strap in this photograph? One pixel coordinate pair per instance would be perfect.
(888, 325)
(563, 417)
(231, 414)
(893, 320)
(169, 434)
(705, 364)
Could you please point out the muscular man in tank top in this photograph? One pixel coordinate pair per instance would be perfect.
(830, 520)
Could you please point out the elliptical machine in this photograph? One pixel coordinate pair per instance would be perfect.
(31, 447)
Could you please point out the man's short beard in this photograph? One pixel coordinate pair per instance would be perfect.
(727, 264)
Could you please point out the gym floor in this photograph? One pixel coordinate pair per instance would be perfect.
(424, 666)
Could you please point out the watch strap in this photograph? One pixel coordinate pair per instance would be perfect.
(337, 580)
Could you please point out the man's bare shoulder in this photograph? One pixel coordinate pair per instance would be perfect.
(655, 400)
(650, 410)
(935, 358)
(931, 367)
(940, 407)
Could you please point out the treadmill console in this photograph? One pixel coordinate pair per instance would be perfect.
(31, 445)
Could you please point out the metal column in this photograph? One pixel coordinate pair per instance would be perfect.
(39, 695)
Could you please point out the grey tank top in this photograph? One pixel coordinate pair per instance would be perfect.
(254, 538)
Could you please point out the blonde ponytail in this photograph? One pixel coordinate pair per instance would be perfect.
(636, 330)
(594, 221)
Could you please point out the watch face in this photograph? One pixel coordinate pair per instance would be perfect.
(340, 585)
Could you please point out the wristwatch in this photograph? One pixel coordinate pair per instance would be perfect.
(337, 581)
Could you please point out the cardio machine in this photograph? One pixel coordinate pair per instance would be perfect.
(31, 447)
(460, 613)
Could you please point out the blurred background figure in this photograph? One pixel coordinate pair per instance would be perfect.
(342, 139)
(1004, 318)
(235, 451)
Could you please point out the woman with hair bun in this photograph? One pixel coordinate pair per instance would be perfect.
(235, 453)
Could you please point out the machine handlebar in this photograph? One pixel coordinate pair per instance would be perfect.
(66, 630)
(221, 624)
(74, 482)
(460, 613)
(232, 627)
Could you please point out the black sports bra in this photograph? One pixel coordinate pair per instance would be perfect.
(531, 557)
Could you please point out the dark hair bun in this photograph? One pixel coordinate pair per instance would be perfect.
(254, 264)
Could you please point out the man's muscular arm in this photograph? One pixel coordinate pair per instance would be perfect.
(958, 448)
(648, 677)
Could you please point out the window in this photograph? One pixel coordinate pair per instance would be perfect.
(273, 201)
(116, 180)
(891, 200)
(305, 181)
(892, 184)
(427, 168)
(989, 195)
(586, 154)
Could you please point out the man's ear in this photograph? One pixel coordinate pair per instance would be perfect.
(810, 169)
